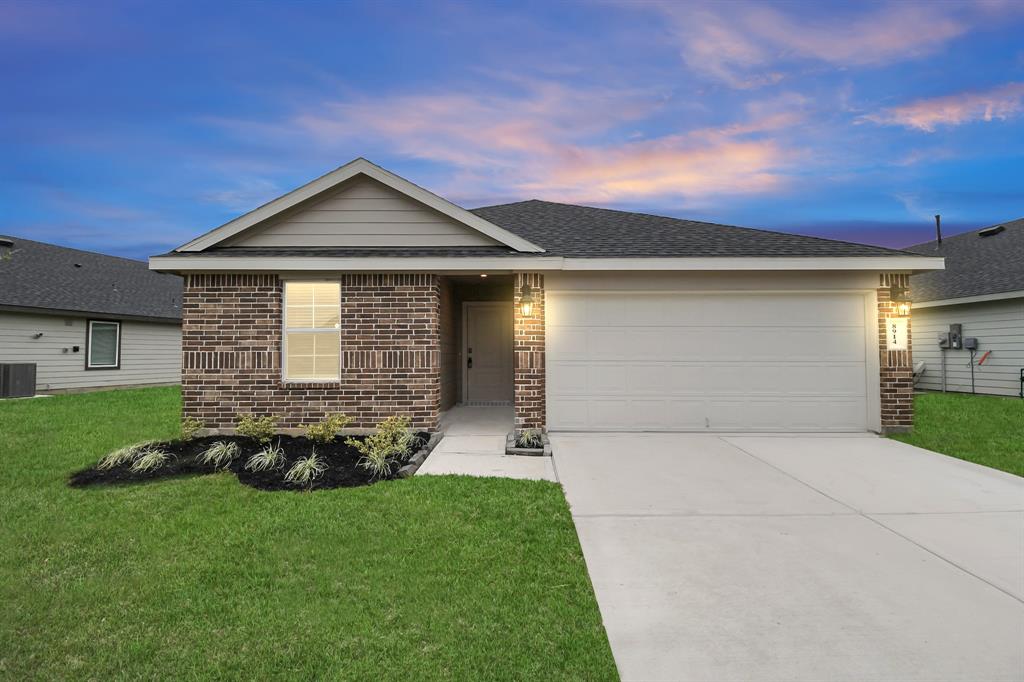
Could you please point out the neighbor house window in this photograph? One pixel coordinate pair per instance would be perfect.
(103, 345)
(312, 331)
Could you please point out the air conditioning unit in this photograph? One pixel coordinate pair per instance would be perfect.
(17, 380)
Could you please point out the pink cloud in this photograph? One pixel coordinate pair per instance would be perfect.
(561, 143)
(746, 44)
(999, 103)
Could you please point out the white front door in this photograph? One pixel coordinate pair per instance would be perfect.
(488, 352)
(708, 362)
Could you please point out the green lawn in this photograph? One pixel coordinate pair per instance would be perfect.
(427, 578)
(983, 429)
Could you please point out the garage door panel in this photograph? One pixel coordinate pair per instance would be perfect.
(567, 378)
(731, 362)
(648, 413)
(569, 412)
(655, 379)
(566, 343)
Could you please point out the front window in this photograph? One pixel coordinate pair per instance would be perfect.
(104, 344)
(312, 331)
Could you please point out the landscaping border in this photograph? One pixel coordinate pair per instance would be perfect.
(416, 461)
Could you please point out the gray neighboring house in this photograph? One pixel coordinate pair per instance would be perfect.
(87, 320)
(982, 288)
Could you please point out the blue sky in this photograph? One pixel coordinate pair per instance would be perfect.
(129, 128)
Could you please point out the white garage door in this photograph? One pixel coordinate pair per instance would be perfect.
(707, 362)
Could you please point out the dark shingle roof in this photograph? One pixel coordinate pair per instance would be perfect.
(975, 266)
(46, 276)
(587, 232)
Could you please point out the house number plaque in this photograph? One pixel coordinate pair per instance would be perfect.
(896, 333)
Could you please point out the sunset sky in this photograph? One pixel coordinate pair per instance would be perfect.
(129, 128)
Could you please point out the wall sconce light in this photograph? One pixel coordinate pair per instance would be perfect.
(526, 300)
(899, 296)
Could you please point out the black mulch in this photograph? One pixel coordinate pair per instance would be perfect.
(341, 460)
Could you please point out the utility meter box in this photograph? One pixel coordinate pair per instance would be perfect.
(970, 343)
(956, 336)
(944, 340)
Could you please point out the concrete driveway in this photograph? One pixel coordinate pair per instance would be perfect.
(798, 557)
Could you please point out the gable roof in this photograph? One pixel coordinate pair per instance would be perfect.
(331, 180)
(975, 265)
(36, 275)
(587, 232)
(533, 234)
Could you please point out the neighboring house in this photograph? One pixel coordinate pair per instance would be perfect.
(87, 320)
(982, 289)
(365, 294)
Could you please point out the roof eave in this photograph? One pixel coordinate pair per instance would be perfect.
(179, 263)
(963, 300)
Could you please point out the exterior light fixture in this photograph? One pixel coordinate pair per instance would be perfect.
(483, 275)
(899, 296)
(526, 300)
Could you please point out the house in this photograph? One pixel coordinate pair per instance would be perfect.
(981, 289)
(363, 293)
(87, 320)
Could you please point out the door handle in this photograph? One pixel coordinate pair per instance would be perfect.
(469, 362)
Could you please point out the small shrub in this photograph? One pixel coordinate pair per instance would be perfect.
(325, 431)
(270, 457)
(306, 470)
(220, 454)
(390, 444)
(123, 455)
(529, 438)
(260, 429)
(150, 459)
(190, 426)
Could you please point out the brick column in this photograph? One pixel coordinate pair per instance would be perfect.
(896, 367)
(529, 354)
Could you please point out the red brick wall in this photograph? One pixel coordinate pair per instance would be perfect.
(231, 351)
(896, 367)
(528, 349)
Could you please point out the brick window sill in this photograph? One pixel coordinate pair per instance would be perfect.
(310, 384)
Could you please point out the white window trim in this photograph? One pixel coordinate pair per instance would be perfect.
(285, 329)
(89, 364)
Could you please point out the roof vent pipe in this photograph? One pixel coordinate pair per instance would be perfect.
(938, 229)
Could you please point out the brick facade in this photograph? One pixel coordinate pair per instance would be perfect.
(896, 367)
(231, 351)
(528, 347)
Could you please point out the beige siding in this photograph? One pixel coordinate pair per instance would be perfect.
(150, 352)
(998, 326)
(363, 212)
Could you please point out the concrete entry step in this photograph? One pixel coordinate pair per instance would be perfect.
(474, 445)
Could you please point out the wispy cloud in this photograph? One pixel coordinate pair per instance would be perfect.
(243, 195)
(559, 142)
(1001, 103)
(749, 44)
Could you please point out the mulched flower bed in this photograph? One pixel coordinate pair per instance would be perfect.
(341, 460)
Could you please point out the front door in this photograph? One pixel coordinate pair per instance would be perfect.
(488, 353)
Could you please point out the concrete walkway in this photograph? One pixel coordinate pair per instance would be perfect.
(798, 558)
(474, 445)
